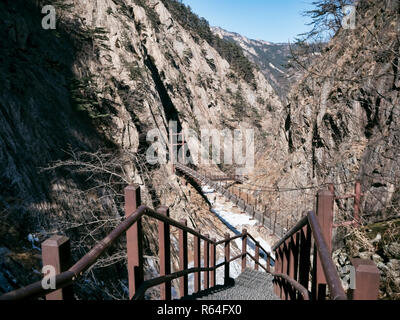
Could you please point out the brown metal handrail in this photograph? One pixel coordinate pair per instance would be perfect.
(303, 291)
(66, 278)
(160, 280)
(330, 272)
(332, 277)
(291, 232)
(275, 226)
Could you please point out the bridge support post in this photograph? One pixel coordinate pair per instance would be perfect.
(325, 202)
(244, 249)
(183, 260)
(164, 244)
(56, 252)
(134, 238)
(227, 258)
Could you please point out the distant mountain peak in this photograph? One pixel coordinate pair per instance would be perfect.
(271, 58)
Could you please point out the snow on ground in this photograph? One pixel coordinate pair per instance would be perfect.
(236, 222)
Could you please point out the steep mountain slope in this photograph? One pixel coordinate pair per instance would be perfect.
(342, 120)
(272, 58)
(79, 101)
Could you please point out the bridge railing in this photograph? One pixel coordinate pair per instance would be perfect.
(304, 255)
(132, 227)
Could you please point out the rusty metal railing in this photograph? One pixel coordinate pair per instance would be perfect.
(293, 253)
(311, 239)
(265, 219)
(137, 286)
(291, 266)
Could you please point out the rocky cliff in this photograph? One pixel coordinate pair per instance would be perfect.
(76, 104)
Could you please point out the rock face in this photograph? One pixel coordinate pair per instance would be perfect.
(111, 71)
(342, 120)
(272, 58)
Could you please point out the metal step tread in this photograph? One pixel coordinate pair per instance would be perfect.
(250, 285)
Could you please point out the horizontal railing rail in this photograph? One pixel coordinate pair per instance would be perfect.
(293, 253)
(310, 239)
(264, 219)
(159, 280)
(67, 278)
(297, 286)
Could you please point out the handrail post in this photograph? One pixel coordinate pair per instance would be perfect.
(56, 252)
(206, 262)
(304, 255)
(134, 238)
(278, 269)
(183, 260)
(366, 280)
(325, 202)
(285, 267)
(227, 258)
(164, 244)
(257, 256)
(197, 253)
(244, 249)
(213, 258)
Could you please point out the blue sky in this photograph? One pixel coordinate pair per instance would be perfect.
(269, 20)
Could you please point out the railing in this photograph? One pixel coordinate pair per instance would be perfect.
(303, 266)
(132, 227)
(265, 219)
(304, 255)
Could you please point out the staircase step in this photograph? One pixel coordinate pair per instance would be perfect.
(250, 285)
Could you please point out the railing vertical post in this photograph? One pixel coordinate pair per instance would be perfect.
(183, 260)
(269, 263)
(164, 244)
(134, 238)
(304, 255)
(197, 275)
(279, 269)
(206, 263)
(357, 199)
(293, 259)
(56, 252)
(257, 253)
(213, 258)
(244, 249)
(227, 258)
(276, 270)
(325, 202)
(366, 280)
(285, 266)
